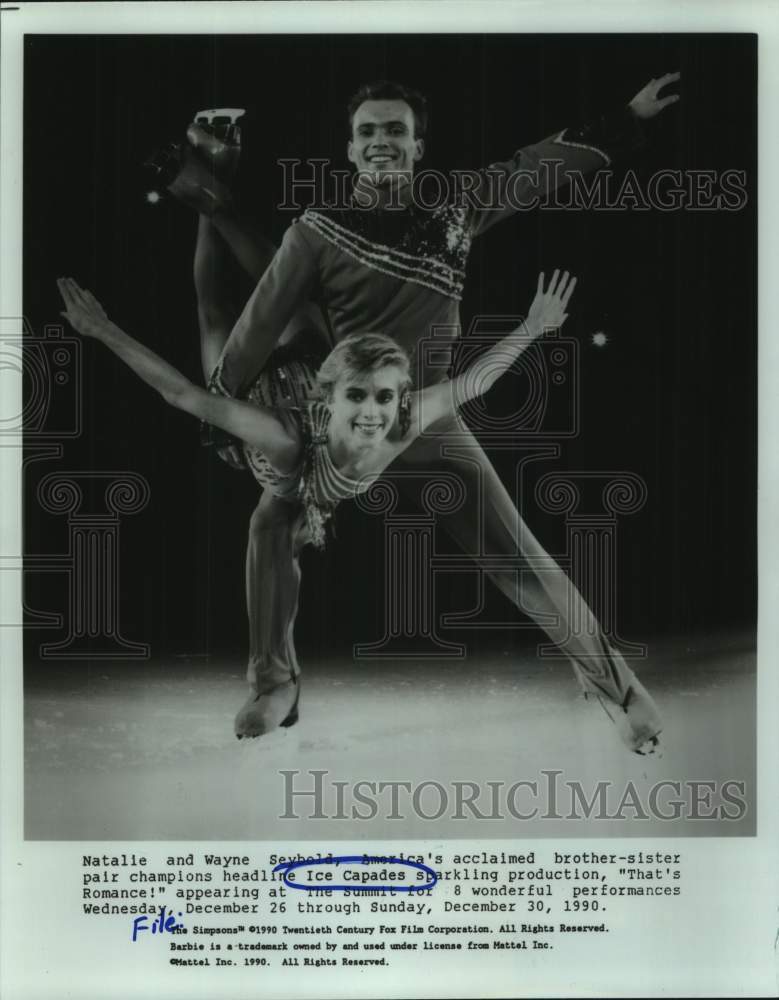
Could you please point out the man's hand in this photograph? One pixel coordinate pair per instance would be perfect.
(647, 104)
(548, 311)
(82, 310)
(231, 454)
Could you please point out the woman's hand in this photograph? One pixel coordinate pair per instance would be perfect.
(548, 309)
(82, 310)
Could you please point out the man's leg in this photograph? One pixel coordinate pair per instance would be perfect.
(276, 537)
(496, 528)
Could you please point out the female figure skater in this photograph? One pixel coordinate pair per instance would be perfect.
(199, 172)
(351, 285)
(334, 447)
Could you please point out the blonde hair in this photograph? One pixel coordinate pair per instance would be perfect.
(357, 355)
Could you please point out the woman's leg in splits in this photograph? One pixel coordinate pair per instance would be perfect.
(276, 536)
(216, 307)
(206, 165)
(203, 180)
(275, 532)
(272, 568)
(254, 252)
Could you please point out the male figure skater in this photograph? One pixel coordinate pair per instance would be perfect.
(385, 264)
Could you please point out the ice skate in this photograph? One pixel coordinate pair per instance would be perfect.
(217, 136)
(199, 170)
(273, 708)
(636, 718)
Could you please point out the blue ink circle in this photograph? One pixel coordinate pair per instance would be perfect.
(290, 866)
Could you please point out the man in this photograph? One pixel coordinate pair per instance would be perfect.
(383, 263)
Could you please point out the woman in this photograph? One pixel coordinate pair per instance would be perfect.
(334, 447)
(200, 178)
(198, 172)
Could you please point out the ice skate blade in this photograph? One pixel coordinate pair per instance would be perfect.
(637, 720)
(274, 709)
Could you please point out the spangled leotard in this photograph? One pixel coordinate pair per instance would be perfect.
(316, 483)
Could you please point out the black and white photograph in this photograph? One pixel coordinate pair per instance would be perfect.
(511, 531)
(388, 442)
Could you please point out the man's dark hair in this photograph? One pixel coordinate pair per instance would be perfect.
(388, 90)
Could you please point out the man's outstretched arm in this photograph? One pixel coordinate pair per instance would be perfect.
(534, 171)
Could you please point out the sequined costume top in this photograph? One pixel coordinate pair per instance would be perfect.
(287, 381)
(316, 483)
(399, 270)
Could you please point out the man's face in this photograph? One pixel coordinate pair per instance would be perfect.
(383, 146)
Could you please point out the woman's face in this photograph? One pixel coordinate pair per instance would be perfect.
(364, 408)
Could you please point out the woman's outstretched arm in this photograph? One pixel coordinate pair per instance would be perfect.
(547, 312)
(257, 426)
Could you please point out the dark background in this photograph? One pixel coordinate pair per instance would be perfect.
(672, 397)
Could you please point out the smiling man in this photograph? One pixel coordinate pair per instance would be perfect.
(384, 263)
(386, 140)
